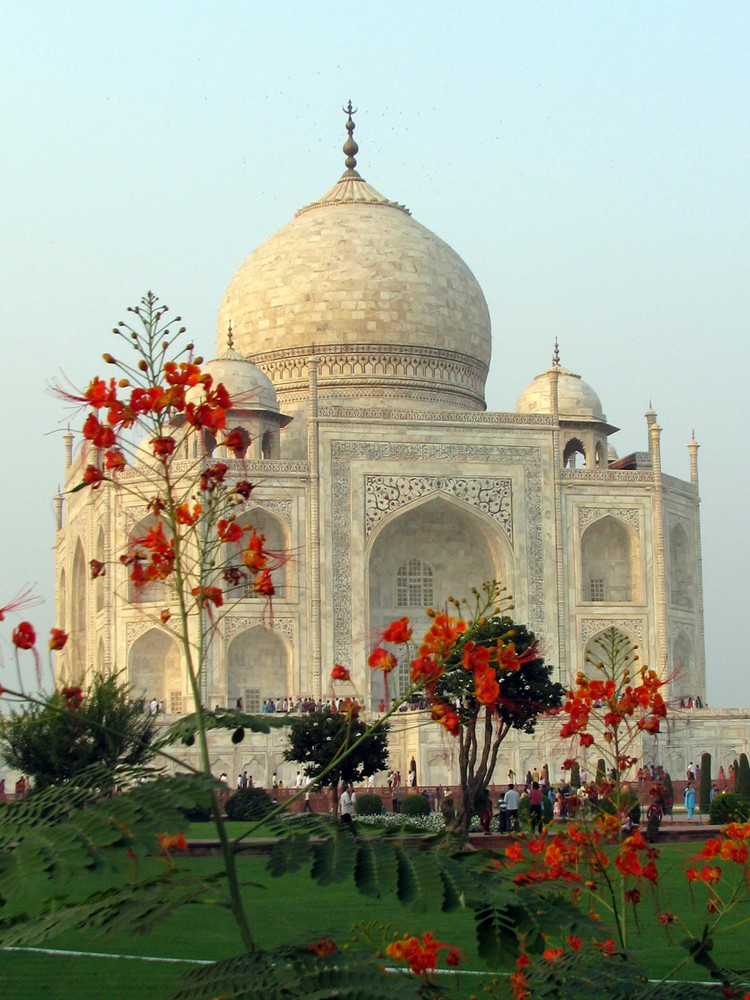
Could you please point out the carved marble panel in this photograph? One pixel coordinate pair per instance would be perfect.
(384, 494)
(233, 625)
(344, 453)
(633, 626)
(631, 516)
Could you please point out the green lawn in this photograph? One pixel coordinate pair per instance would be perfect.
(294, 908)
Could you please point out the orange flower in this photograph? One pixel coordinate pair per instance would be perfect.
(514, 853)
(425, 669)
(422, 955)
(57, 638)
(165, 615)
(99, 434)
(442, 635)
(184, 515)
(382, 660)
(552, 954)
(444, 714)
(340, 673)
(24, 636)
(169, 843)
(325, 946)
(486, 687)
(398, 632)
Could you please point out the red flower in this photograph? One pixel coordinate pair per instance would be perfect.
(585, 739)
(183, 514)
(114, 460)
(208, 595)
(398, 632)
(244, 489)
(425, 669)
(163, 446)
(263, 584)
(444, 714)
(168, 843)
(73, 697)
(98, 568)
(574, 942)
(325, 946)
(99, 434)
(24, 635)
(57, 638)
(235, 440)
(382, 660)
(93, 476)
(229, 531)
(340, 673)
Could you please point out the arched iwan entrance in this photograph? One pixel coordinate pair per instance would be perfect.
(423, 555)
(257, 668)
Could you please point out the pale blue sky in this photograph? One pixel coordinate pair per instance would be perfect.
(588, 160)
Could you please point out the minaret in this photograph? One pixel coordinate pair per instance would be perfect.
(693, 449)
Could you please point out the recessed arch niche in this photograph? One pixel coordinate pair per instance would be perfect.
(683, 665)
(258, 667)
(594, 652)
(274, 531)
(434, 549)
(681, 576)
(78, 614)
(610, 562)
(155, 669)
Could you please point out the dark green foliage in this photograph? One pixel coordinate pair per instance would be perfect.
(668, 793)
(729, 807)
(523, 810)
(297, 972)
(601, 771)
(575, 776)
(704, 788)
(58, 741)
(248, 804)
(368, 804)
(326, 740)
(66, 835)
(415, 805)
(525, 693)
(743, 777)
(184, 730)
(629, 805)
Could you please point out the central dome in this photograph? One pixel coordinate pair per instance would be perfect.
(387, 307)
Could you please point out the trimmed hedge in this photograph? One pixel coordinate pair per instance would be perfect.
(248, 804)
(729, 807)
(523, 810)
(368, 804)
(415, 805)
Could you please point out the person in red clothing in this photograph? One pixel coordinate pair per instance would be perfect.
(535, 807)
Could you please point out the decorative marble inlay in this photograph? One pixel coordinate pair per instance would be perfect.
(384, 494)
(233, 625)
(631, 516)
(344, 453)
(631, 626)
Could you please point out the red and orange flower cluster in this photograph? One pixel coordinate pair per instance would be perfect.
(421, 954)
(613, 705)
(486, 663)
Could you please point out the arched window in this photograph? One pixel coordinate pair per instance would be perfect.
(239, 583)
(99, 582)
(157, 590)
(154, 669)
(78, 615)
(680, 568)
(573, 449)
(609, 563)
(257, 668)
(414, 584)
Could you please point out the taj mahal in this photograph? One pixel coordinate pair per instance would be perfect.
(357, 344)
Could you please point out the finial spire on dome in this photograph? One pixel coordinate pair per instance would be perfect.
(230, 336)
(350, 146)
(556, 355)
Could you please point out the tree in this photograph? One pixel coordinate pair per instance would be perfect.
(334, 746)
(72, 730)
(704, 788)
(520, 690)
(742, 777)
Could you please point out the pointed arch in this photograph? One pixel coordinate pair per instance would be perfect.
(78, 614)
(99, 582)
(683, 665)
(610, 562)
(100, 657)
(157, 590)
(155, 669)
(592, 653)
(573, 448)
(273, 529)
(681, 573)
(420, 555)
(258, 667)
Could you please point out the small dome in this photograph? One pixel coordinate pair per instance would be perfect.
(575, 398)
(612, 455)
(249, 387)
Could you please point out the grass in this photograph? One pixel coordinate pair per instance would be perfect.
(294, 908)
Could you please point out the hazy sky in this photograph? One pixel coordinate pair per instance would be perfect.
(588, 161)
